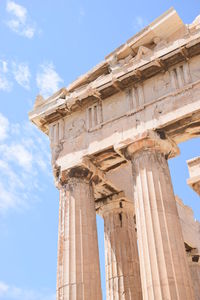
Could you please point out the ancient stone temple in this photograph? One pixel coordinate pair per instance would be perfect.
(112, 132)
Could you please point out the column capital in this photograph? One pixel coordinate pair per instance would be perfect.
(152, 140)
(76, 173)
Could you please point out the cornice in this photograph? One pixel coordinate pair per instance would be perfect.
(117, 72)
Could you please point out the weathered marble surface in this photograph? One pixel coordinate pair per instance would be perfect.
(194, 172)
(78, 274)
(163, 264)
(121, 253)
(191, 235)
(136, 106)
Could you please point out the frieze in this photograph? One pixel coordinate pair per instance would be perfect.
(136, 98)
(75, 129)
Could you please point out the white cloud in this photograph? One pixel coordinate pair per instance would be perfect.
(3, 66)
(22, 74)
(3, 288)
(24, 156)
(17, 153)
(7, 199)
(11, 174)
(48, 79)
(29, 32)
(4, 126)
(20, 21)
(5, 84)
(19, 70)
(9, 292)
(17, 10)
(139, 23)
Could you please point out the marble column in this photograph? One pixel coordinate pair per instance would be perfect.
(195, 275)
(163, 264)
(121, 254)
(78, 275)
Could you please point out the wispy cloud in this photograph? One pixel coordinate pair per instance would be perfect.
(139, 23)
(18, 154)
(48, 79)
(24, 155)
(19, 11)
(9, 292)
(3, 288)
(22, 74)
(4, 127)
(20, 21)
(3, 66)
(12, 70)
(5, 82)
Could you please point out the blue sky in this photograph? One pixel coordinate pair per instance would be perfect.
(46, 45)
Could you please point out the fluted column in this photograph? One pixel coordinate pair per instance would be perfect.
(78, 275)
(121, 254)
(195, 274)
(164, 269)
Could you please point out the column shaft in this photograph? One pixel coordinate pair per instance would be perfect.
(78, 276)
(163, 263)
(121, 254)
(195, 274)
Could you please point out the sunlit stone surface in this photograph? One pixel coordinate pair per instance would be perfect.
(121, 256)
(111, 133)
(194, 171)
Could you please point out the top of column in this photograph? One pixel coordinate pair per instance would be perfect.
(77, 173)
(151, 140)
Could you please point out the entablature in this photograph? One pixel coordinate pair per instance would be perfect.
(118, 73)
(154, 88)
